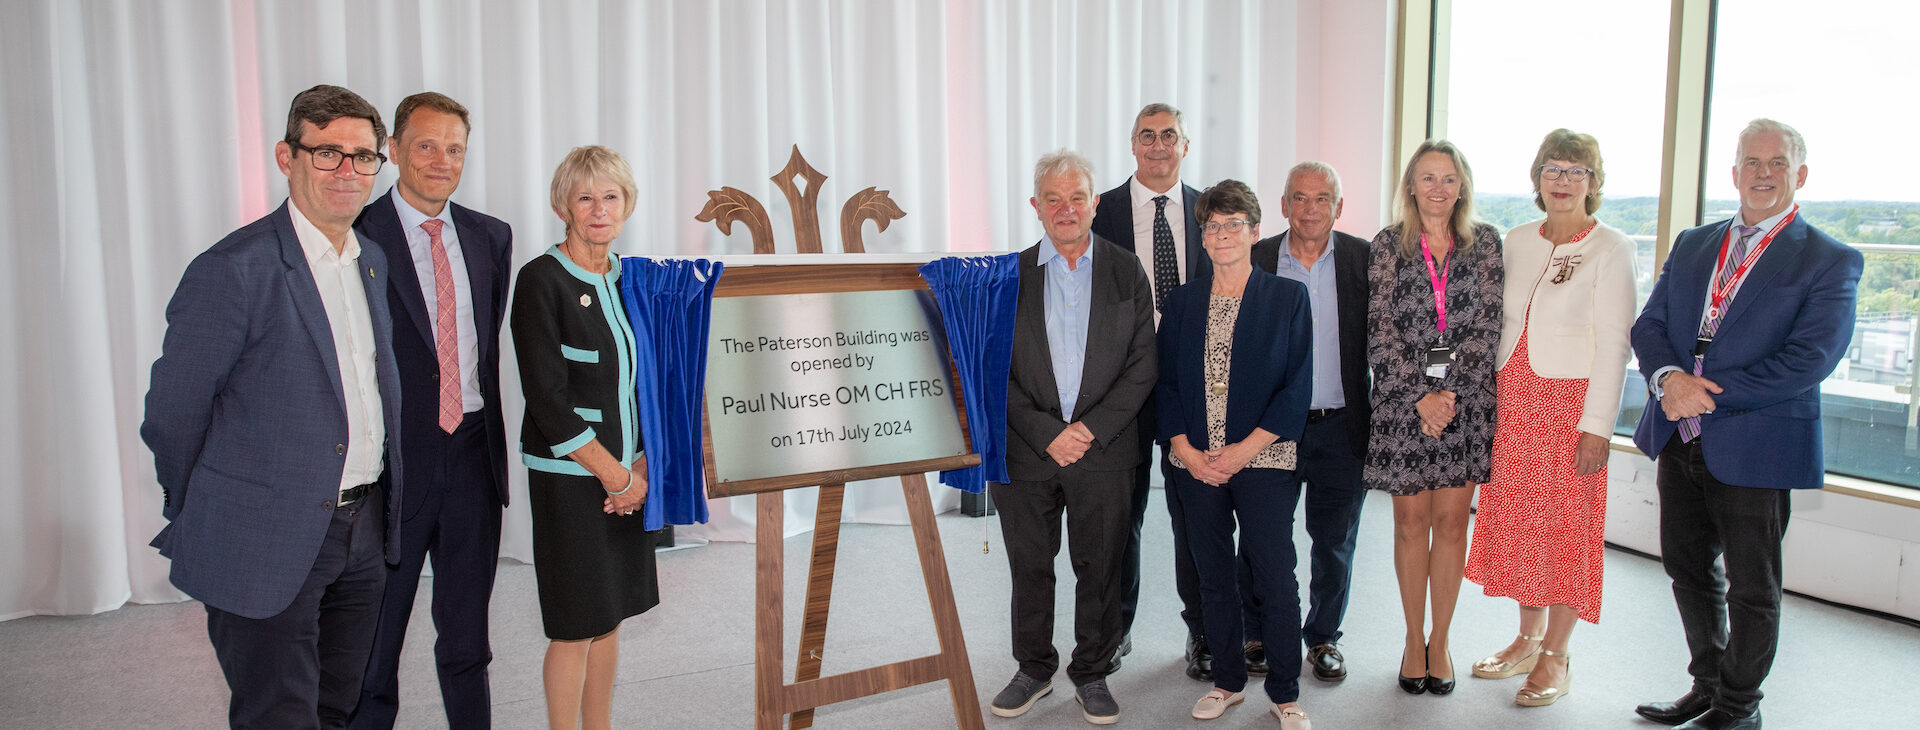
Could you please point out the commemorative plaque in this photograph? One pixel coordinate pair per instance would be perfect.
(803, 383)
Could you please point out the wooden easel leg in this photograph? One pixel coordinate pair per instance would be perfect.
(768, 665)
(813, 618)
(946, 618)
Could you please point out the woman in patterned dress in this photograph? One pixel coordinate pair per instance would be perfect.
(1562, 360)
(1235, 378)
(1434, 283)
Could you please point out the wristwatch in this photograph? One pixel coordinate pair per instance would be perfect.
(1658, 378)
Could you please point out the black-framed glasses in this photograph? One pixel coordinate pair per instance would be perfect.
(1235, 225)
(1553, 172)
(1147, 137)
(328, 158)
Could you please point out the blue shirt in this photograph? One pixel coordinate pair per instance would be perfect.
(1325, 302)
(1068, 303)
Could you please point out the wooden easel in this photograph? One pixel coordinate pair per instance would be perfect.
(773, 697)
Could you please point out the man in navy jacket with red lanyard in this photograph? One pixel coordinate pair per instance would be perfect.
(1748, 317)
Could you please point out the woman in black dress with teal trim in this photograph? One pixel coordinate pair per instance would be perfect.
(592, 559)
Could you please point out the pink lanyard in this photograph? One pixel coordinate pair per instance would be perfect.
(1439, 279)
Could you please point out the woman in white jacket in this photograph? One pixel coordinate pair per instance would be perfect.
(1561, 362)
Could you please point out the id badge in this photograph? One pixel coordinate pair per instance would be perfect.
(1438, 360)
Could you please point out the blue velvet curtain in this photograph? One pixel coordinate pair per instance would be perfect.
(977, 296)
(670, 303)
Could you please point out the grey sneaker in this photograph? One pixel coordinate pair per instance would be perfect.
(1096, 703)
(1020, 695)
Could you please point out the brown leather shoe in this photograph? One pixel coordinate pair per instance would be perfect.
(1328, 664)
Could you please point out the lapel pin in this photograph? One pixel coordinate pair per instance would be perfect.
(370, 274)
(586, 301)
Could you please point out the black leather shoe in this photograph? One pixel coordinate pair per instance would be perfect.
(1328, 664)
(1256, 654)
(1125, 648)
(1717, 720)
(1689, 706)
(1412, 685)
(1438, 686)
(1199, 660)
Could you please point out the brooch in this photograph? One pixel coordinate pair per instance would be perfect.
(587, 301)
(1566, 265)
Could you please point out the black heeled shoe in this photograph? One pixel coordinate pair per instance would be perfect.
(1438, 686)
(1413, 685)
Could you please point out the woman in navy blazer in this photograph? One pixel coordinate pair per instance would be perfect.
(1235, 377)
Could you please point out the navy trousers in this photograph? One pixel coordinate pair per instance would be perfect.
(1261, 501)
(301, 668)
(1731, 616)
(452, 516)
(1334, 493)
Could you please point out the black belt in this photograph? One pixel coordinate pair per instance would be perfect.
(353, 494)
(1321, 414)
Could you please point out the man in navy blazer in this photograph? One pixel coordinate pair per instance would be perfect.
(455, 437)
(273, 416)
(1151, 216)
(1734, 357)
(1083, 363)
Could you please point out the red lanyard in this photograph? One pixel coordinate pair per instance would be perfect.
(1724, 290)
(1439, 279)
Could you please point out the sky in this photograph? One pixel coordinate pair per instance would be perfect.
(1521, 68)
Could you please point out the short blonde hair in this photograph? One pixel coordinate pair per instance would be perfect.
(1566, 144)
(1463, 220)
(589, 163)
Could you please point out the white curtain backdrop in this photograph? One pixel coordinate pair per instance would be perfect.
(140, 132)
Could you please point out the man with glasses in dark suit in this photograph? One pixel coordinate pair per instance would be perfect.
(1151, 216)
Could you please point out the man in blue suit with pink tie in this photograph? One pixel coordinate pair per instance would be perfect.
(1748, 317)
(273, 416)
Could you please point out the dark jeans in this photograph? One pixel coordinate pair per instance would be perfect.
(1262, 500)
(1731, 618)
(1097, 508)
(1334, 494)
(301, 668)
(457, 523)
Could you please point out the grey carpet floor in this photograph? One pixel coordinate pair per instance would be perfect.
(689, 662)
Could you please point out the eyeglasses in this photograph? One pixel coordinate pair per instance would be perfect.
(1233, 226)
(1553, 172)
(328, 159)
(1147, 137)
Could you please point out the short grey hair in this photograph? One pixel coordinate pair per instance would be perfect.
(1179, 122)
(1061, 162)
(1796, 144)
(1314, 167)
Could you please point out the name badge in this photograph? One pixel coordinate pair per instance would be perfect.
(1438, 359)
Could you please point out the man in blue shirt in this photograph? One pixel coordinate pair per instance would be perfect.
(1333, 450)
(1083, 364)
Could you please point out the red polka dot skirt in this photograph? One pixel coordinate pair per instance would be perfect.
(1538, 535)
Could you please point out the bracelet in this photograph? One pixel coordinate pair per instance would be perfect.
(628, 488)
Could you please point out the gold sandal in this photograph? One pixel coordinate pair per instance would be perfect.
(1530, 697)
(1492, 668)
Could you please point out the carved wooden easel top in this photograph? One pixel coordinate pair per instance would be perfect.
(774, 699)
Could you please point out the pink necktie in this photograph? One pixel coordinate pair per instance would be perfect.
(447, 341)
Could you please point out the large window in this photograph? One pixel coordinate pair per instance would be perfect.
(1842, 79)
(1518, 69)
(1505, 72)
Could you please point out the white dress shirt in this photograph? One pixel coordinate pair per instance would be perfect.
(337, 274)
(419, 246)
(1143, 226)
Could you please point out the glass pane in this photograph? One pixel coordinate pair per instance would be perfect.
(1856, 191)
(1518, 69)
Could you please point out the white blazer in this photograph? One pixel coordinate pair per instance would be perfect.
(1577, 328)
